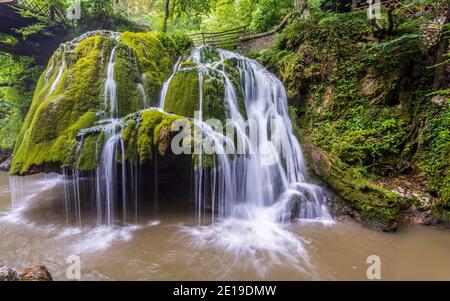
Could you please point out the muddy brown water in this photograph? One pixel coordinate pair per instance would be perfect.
(173, 247)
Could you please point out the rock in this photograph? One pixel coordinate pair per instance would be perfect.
(70, 93)
(8, 274)
(37, 273)
(439, 99)
(418, 217)
(6, 164)
(364, 201)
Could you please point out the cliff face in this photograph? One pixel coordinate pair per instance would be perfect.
(374, 127)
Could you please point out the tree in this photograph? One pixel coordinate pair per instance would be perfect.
(180, 7)
(441, 78)
(166, 14)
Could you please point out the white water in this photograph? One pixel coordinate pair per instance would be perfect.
(273, 177)
(144, 95)
(251, 196)
(57, 79)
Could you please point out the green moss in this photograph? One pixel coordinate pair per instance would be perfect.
(127, 77)
(154, 62)
(48, 136)
(377, 206)
(187, 64)
(163, 134)
(146, 131)
(151, 131)
(129, 136)
(90, 153)
(183, 96)
(213, 97)
(209, 54)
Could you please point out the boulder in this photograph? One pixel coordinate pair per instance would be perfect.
(37, 273)
(366, 202)
(70, 95)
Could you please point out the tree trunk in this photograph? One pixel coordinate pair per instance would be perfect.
(166, 15)
(442, 75)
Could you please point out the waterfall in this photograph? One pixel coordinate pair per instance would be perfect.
(144, 95)
(57, 79)
(166, 85)
(110, 92)
(273, 176)
(263, 178)
(107, 189)
(107, 170)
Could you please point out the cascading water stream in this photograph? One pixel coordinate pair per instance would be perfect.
(244, 198)
(265, 170)
(109, 189)
(252, 194)
(271, 173)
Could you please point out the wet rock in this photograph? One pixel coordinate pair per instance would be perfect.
(363, 200)
(5, 159)
(418, 217)
(37, 273)
(8, 274)
(6, 164)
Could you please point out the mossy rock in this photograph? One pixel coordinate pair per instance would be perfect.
(69, 96)
(151, 131)
(183, 95)
(153, 61)
(376, 206)
(209, 54)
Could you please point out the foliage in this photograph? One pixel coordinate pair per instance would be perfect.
(366, 102)
(44, 22)
(260, 15)
(18, 77)
(176, 42)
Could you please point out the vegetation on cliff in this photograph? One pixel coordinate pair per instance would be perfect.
(367, 103)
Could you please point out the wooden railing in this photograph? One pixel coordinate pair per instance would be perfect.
(400, 6)
(54, 12)
(226, 37)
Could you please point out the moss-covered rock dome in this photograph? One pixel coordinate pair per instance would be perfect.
(70, 96)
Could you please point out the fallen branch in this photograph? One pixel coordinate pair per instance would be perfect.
(268, 33)
(6, 85)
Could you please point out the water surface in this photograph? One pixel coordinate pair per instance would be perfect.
(172, 247)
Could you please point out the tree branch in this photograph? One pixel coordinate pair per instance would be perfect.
(6, 85)
(268, 33)
(442, 75)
